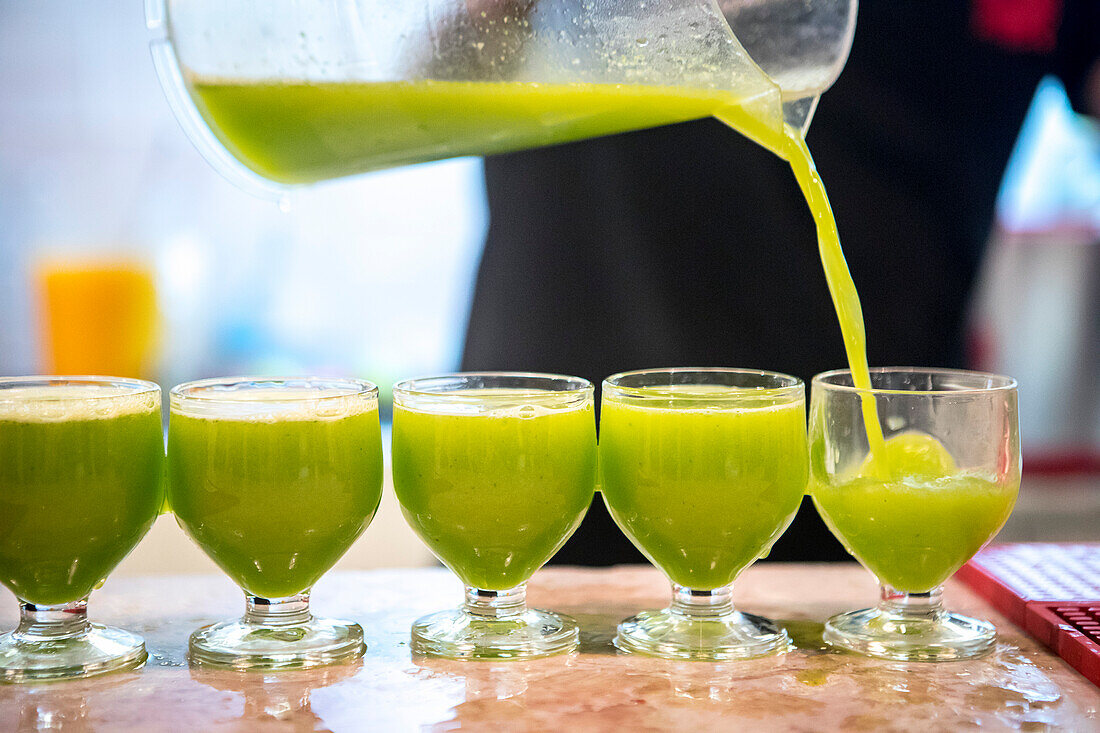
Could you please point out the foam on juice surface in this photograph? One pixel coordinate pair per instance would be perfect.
(495, 402)
(705, 398)
(273, 404)
(910, 455)
(72, 402)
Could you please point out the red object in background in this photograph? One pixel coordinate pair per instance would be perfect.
(1050, 590)
(1069, 462)
(1017, 25)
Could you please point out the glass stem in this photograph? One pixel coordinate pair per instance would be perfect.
(496, 604)
(38, 623)
(911, 606)
(289, 611)
(702, 603)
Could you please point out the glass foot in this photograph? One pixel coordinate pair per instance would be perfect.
(676, 636)
(458, 634)
(246, 645)
(941, 637)
(95, 650)
(701, 624)
(276, 633)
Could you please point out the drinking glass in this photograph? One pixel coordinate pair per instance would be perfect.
(275, 478)
(702, 469)
(939, 484)
(98, 314)
(81, 466)
(494, 471)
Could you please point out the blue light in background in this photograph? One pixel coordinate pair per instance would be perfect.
(1053, 176)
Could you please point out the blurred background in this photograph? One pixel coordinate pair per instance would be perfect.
(123, 252)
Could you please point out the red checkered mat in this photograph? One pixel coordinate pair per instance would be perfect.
(1050, 590)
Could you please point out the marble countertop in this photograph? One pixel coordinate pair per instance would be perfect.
(1019, 686)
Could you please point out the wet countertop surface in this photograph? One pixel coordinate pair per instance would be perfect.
(1019, 686)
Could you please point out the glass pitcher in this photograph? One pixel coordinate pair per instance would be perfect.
(280, 93)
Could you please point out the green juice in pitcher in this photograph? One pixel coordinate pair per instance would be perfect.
(494, 493)
(703, 489)
(302, 132)
(80, 485)
(275, 500)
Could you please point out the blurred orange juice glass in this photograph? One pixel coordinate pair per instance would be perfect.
(98, 315)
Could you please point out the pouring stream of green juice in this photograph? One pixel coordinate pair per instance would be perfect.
(311, 93)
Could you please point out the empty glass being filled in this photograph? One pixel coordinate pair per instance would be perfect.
(914, 499)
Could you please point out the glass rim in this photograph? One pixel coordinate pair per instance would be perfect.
(1003, 383)
(187, 391)
(793, 386)
(131, 385)
(409, 387)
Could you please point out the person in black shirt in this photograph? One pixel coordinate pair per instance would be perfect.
(690, 246)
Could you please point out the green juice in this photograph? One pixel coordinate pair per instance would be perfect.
(302, 132)
(299, 131)
(305, 131)
(494, 495)
(702, 489)
(80, 485)
(275, 501)
(914, 519)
